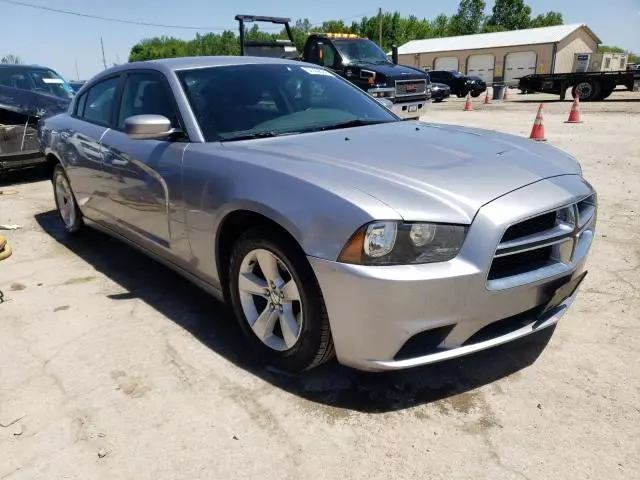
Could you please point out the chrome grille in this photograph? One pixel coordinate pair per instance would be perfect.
(410, 88)
(552, 239)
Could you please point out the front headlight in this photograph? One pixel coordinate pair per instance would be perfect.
(398, 243)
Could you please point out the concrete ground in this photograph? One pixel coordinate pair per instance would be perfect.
(113, 367)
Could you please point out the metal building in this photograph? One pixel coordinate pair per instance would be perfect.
(503, 56)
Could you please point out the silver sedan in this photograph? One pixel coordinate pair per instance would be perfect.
(328, 224)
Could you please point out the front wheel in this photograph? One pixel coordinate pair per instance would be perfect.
(475, 94)
(65, 201)
(278, 303)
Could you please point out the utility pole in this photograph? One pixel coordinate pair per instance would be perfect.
(104, 60)
(77, 74)
(380, 26)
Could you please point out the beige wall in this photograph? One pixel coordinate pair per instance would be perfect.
(578, 42)
(543, 53)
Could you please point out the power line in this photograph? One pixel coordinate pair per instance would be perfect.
(108, 19)
(136, 22)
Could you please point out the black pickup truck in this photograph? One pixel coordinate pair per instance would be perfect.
(403, 89)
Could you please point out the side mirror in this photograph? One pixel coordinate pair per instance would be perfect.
(148, 127)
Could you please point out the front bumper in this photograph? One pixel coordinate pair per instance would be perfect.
(19, 160)
(375, 311)
(410, 110)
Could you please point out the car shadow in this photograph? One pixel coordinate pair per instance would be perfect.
(27, 175)
(331, 384)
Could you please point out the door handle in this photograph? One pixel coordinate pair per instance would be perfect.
(118, 162)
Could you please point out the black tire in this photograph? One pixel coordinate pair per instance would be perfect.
(475, 94)
(77, 222)
(589, 90)
(314, 346)
(605, 93)
(438, 100)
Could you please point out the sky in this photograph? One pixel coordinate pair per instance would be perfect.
(59, 40)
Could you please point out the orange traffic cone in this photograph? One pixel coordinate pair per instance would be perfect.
(506, 94)
(468, 106)
(574, 114)
(537, 132)
(487, 100)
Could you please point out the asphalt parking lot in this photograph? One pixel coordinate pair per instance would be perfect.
(112, 366)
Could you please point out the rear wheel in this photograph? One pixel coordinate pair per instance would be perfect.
(586, 90)
(278, 303)
(65, 201)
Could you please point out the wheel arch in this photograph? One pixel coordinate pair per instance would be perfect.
(51, 161)
(236, 221)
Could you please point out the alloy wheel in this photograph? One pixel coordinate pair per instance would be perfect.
(65, 201)
(270, 299)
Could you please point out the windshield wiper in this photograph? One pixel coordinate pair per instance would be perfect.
(351, 123)
(251, 136)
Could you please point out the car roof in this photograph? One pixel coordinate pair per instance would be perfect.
(22, 65)
(168, 65)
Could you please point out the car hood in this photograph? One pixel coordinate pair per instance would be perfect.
(423, 171)
(391, 70)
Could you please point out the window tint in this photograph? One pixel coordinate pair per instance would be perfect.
(80, 105)
(312, 51)
(100, 101)
(329, 55)
(360, 49)
(146, 94)
(236, 101)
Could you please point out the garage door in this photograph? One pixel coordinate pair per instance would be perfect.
(481, 66)
(446, 63)
(518, 65)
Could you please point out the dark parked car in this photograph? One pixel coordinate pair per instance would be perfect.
(460, 84)
(27, 94)
(439, 91)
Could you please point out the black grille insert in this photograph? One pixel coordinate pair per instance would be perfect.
(423, 343)
(520, 263)
(529, 227)
(504, 326)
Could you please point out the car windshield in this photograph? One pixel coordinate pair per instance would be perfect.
(263, 100)
(360, 50)
(40, 80)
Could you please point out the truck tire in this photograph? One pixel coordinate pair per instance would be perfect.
(605, 93)
(588, 90)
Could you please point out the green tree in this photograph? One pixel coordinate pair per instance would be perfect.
(548, 19)
(396, 29)
(469, 18)
(441, 26)
(510, 15)
(14, 59)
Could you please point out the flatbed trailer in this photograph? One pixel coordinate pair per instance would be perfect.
(590, 86)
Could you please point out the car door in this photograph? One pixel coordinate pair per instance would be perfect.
(81, 148)
(144, 176)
